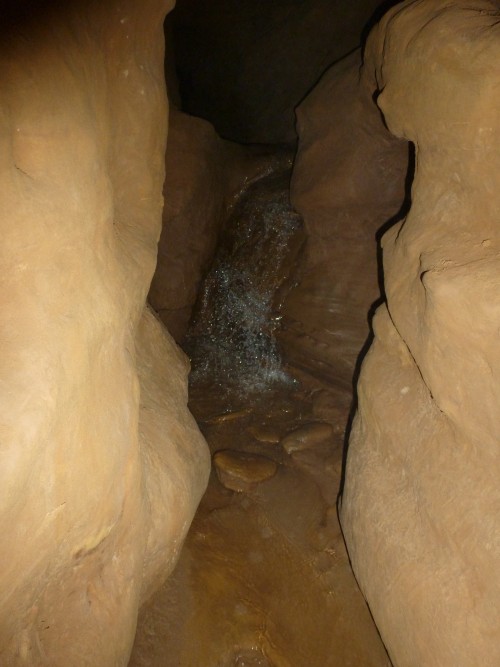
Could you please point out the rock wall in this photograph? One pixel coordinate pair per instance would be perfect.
(204, 177)
(101, 464)
(195, 188)
(421, 505)
(245, 65)
(348, 180)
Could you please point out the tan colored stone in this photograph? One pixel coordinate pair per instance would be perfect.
(101, 464)
(307, 436)
(195, 193)
(421, 505)
(240, 471)
(330, 406)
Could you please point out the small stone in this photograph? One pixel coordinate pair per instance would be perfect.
(307, 436)
(265, 433)
(240, 471)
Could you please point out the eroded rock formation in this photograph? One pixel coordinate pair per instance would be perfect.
(421, 504)
(348, 180)
(197, 163)
(102, 466)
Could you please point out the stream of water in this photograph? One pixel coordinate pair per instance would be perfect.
(231, 338)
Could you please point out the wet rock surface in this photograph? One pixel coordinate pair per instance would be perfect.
(306, 436)
(231, 338)
(204, 175)
(264, 578)
(240, 471)
(265, 433)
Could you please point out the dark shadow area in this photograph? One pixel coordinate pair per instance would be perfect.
(375, 97)
(398, 217)
(375, 18)
(245, 66)
(382, 9)
(27, 19)
(335, 63)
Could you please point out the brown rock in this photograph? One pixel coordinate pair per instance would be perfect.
(264, 433)
(421, 505)
(348, 180)
(307, 436)
(195, 192)
(102, 465)
(330, 406)
(229, 416)
(240, 471)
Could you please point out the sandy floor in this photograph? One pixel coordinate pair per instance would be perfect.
(264, 577)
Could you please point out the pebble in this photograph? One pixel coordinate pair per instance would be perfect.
(307, 436)
(240, 471)
(265, 433)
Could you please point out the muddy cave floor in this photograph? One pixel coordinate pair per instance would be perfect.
(264, 578)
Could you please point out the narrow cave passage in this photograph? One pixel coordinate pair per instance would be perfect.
(264, 577)
(286, 177)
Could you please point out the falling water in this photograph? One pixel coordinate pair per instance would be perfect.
(231, 339)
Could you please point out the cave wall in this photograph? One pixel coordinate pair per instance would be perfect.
(421, 506)
(102, 466)
(348, 181)
(195, 202)
(205, 176)
(245, 65)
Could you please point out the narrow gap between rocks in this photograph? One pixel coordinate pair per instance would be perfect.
(264, 578)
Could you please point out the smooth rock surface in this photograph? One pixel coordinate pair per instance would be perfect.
(240, 471)
(421, 506)
(101, 464)
(348, 181)
(306, 436)
(193, 214)
(328, 406)
(264, 433)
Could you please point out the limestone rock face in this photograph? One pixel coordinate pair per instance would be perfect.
(421, 505)
(245, 65)
(348, 180)
(101, 465)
